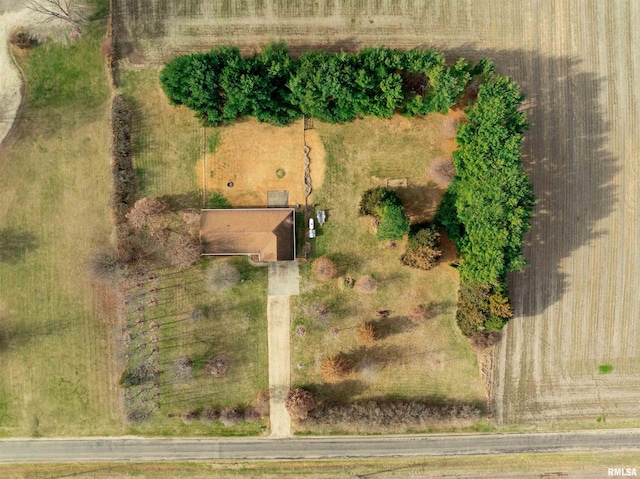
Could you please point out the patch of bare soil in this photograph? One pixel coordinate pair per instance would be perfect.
(256, 158)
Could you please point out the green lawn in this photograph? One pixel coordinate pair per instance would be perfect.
(54, 339)
(431, 361)
(233, 324)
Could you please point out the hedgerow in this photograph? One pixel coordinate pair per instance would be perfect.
(488, 207)
(222, 86)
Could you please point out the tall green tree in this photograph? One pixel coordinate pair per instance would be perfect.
(487, 208)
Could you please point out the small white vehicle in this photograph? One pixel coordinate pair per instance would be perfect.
(312, 228)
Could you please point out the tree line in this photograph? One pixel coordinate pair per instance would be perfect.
(487, 209)
(222, 85)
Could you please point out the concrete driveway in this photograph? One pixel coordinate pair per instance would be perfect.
(283, 282)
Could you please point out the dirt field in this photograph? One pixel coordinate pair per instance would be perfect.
(576, 305)
(258, 157)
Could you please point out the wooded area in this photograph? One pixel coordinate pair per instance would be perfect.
(272, 86)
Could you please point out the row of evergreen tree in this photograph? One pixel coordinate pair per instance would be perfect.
(487, 209)
(222, 86)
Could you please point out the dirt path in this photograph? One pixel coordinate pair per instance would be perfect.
(283, 282)
(10, 77)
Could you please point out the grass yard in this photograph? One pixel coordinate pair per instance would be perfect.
(168, 141)
(431, 361)
(229, 325)
(57, 378)
(190, 320)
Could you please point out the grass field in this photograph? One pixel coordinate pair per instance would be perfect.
(54, 187)
(431, 361)
(232, 325)
(575, 465)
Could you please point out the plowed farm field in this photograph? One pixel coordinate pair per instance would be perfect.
(573, 350)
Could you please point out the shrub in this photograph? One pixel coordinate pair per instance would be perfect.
(495, 323)
(123, 194)
(422, 249)
(366, 284)
(182, 368)
(261, 403)
(383, 414)
(186, 250)
(107, 267)
(374, 200)
(218, 367)
(393, 223)
(368, 333)
(473, 307)
(499, 305)
(335, 369)
(136, 376)
(209, 415)
(299, 403)
(230, 416)
(485, 340)
(324, 269)
(221, 276)
(148, 213)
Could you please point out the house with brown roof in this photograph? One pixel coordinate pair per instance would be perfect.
(268, 233)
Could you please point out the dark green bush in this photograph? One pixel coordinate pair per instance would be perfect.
(374, 200)
(393, 223)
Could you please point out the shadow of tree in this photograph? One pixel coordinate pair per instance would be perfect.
(14, 244)
(566, 155)
(392, 325)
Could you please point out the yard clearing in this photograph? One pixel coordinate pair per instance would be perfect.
(431, 362)
(258, 157)
(575, 305)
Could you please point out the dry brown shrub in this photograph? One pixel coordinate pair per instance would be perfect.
(230, 416)
(368, 333)
(261, 403)
(189, 416)
(106, 267)
(384, 414)
(148, 212)
(500, 306)
(191, 220)
(422, 257)
(418, 315)
(182, 368)
(250, 415)
(335, 369)
(366, 284)
(485, 340)
(299, 403)
(301, 331)
(323, 268)
(209, 415)
(218, 367)
(221, 276)
(186, 250)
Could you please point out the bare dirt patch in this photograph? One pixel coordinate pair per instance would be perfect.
(256, 158)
